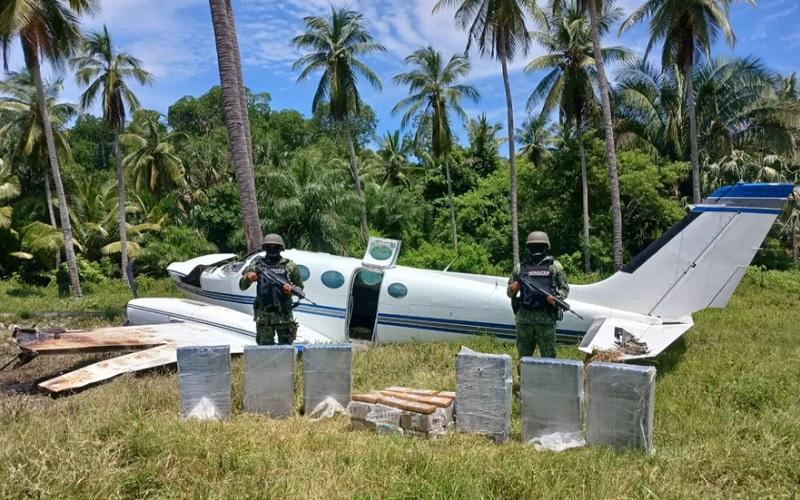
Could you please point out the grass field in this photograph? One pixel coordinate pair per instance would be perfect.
(727, 424)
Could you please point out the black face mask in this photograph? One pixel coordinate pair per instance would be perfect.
(273, 252)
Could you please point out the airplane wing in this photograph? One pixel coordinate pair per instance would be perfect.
(639, 340)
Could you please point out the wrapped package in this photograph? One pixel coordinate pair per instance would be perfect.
(621, 402)
(204, 378)
(327, 373)
(269, 380)
(483, 393)
(551, 394)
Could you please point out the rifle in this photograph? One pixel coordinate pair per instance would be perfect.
(560, 303)
(297, 292)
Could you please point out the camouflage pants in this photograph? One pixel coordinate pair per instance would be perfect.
(280, 323)
(529, 335)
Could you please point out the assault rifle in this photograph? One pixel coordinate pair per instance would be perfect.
(561, 304)
(275, 279)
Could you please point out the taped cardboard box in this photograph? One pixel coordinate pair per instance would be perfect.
(204, 380)
(621, 405)
(269, 380)
(483, 393)
(551, 394)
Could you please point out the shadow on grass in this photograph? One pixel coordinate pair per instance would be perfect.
(25, 292)
(668, 360)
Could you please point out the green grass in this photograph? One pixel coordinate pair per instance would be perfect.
(727, 425)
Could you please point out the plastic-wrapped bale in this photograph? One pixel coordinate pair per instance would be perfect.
(327, 372)
(551, 393)
(269, 380)
(204, 377)
(483, 393)
(621, 402)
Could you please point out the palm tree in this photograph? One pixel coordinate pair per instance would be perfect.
(236, 117)
(308, 201)
(152, 161)
(570, 82)
(391, 164)
(434, 92)
(23, 122)
(105, 72)
(687, 28)
(535, 139)
(335, 43)
(47, 29)
(484, 144)
(10, 188)
(597, 10)
(498, 27)
(649, 109)
(737, 108)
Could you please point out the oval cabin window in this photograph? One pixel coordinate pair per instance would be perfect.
(304, 272)
(332, 279)
(397, 290)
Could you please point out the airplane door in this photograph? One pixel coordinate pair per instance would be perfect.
(365, 288)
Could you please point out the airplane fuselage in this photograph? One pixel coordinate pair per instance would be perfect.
(394, 304)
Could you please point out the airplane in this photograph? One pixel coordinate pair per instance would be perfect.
(694, 265)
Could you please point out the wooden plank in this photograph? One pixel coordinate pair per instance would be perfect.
(404, 404)
(431, 400)
(104, 370)
(366, 398)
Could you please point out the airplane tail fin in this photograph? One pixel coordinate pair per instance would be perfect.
(700, 260)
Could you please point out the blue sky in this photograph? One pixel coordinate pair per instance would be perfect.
(174, 38)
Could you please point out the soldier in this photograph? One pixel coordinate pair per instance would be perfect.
(537, 314)
(273, 305)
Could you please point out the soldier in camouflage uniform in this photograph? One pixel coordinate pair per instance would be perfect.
(536, 314)
(273, 305)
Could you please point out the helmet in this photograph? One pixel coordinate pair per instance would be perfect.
(538, 237)
(273, 239)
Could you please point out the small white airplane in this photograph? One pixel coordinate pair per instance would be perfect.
(696, 264)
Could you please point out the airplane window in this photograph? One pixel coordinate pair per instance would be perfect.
(332, 279)
(304, 272)
(370, 278)
(398, 290)
(381, 252)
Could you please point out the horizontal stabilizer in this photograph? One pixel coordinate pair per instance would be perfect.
(648, 339)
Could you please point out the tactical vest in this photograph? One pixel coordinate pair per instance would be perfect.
(542, 275)
(270, 294)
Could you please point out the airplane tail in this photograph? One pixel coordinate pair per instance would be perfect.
(698, 262)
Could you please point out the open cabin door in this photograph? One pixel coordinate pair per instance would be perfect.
(365, 288)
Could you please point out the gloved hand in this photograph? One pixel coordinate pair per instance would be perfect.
(251, 277)
(287, 289)
(551, 300)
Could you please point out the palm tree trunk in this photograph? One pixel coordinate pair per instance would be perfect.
(49, 195)
(608, 128)
(357, 182)
(235, 122)
(123, 229)
(695, 157)
(587, 258)
(794, 244)
(453, 233)
(66, 226)
(240, 77)
(511, 163)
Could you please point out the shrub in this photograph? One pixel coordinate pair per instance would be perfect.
(174, 243)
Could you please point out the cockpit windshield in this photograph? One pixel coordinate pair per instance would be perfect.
(237, 265)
